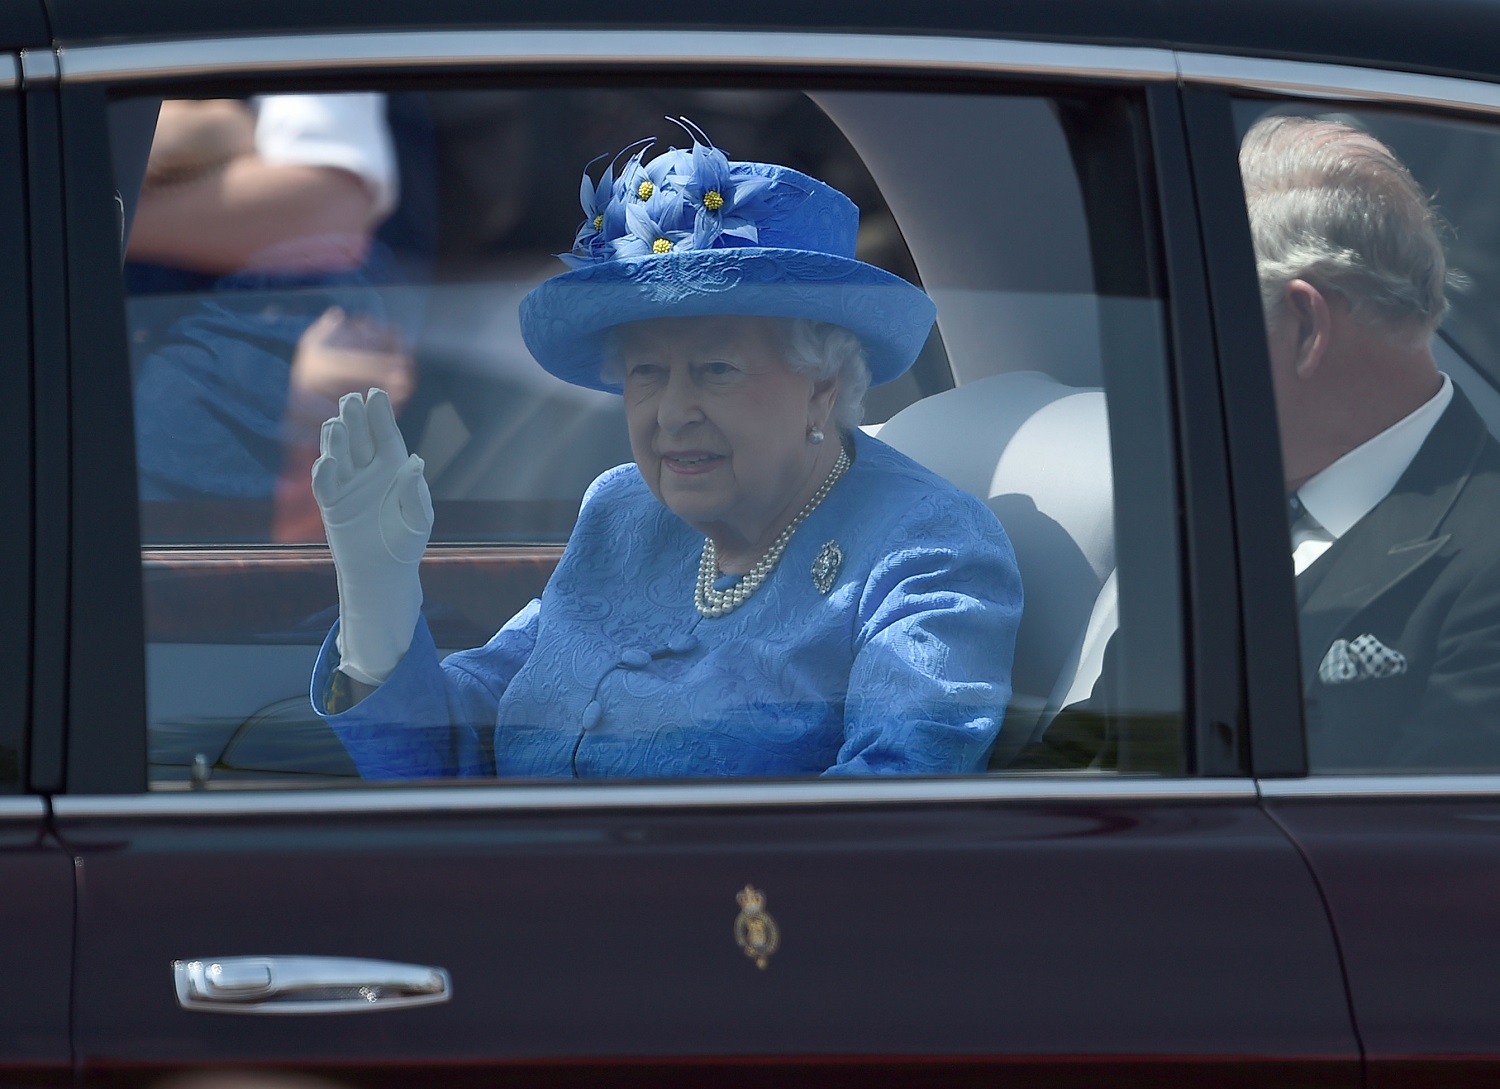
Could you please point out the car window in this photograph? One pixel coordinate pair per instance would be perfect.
(1376, 246)
(284, 250)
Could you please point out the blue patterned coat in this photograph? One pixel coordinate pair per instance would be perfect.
(902, 667)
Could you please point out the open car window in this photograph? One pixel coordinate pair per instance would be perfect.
(421, 221)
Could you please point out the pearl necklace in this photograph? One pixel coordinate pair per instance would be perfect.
(714, 603)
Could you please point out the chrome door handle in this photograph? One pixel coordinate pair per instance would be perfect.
(303, 985)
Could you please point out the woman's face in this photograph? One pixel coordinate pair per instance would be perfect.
(719, 425)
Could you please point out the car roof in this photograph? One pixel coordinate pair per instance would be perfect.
(1453, 37)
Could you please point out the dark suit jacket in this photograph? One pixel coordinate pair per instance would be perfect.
(1421, 573)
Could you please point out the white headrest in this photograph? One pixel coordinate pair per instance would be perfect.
(1025, 434)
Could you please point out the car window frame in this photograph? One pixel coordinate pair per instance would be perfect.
(1272, 674)
(106, 725)
(34, 313)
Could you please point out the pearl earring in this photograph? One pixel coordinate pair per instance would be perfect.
(815, 436)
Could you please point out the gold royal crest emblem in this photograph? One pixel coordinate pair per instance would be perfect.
(754, 929)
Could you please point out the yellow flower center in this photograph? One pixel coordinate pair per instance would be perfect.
(661, 245)
(598, 221)
(645, 189)
(713, 200)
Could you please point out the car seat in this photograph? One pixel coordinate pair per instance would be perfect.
(1037, 452)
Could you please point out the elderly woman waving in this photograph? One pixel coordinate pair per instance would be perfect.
(765, 591)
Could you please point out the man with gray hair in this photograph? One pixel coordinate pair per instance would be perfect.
(1393, 482)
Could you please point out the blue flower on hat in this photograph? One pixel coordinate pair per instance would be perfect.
(653, 230)
(588, 243)
(635, 181)
(656, 218)
(649, 184)
(604, 203)
(723, 196)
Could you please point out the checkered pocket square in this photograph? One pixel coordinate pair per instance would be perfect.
(1362, 658)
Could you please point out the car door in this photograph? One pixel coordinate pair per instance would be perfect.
(1400, 833)
(35, 872)
(1124, 911)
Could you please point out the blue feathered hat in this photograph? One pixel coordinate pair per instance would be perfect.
(690, 234)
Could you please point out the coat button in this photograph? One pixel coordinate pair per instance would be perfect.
(592, 713)
(634, 658)
(682, 644)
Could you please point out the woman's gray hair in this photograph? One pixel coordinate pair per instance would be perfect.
(821, 351)
(1332, 205)
(817, 349)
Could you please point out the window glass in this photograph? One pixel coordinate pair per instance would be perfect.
(747, 602)
(1377, 245)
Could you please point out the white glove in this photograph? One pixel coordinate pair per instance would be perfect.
(378, 514)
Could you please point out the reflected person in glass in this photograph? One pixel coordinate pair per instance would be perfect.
(765, 591)
(255, 276)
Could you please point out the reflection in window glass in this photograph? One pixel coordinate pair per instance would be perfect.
(782, 577)
(1383, 357)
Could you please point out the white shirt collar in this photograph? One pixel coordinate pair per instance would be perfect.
(1347, 490)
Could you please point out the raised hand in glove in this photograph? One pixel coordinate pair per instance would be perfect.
(378, 515)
